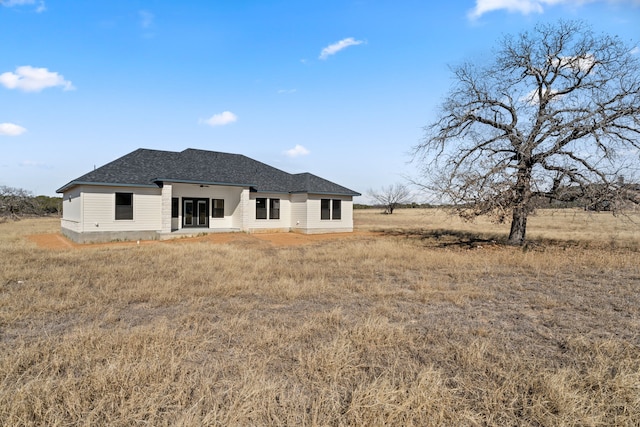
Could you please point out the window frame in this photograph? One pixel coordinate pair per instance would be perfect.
(274, 212)
(175, 207)
(325, 211)
(261, 212)
(330, 209)
(336, 209)
(217, 212)
(123, 212)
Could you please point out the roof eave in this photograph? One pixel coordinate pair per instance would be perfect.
(186, 181)
(330, 193)
(102, 184)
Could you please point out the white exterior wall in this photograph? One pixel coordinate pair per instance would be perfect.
(282, 224)
(72, 209)
(317, 225)
(299, 212)
(90, 210)
(99, 209)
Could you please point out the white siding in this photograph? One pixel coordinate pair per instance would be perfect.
(99, 209)
(299, 212)
(317, 225)
(72, 209)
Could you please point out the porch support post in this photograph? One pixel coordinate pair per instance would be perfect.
(166, 208)
(244, 209)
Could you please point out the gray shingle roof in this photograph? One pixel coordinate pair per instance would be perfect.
(144, 167)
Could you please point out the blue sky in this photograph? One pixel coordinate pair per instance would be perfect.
(341, 89)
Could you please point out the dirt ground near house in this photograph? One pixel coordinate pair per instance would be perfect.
(58, 241)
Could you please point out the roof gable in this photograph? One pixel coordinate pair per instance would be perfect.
(144, 167)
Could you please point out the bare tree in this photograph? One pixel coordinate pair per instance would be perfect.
(391, 197)
(556, 113)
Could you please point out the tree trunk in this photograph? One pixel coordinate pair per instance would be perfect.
(518, 226)
(522, 208)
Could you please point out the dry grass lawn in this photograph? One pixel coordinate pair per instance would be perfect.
(429, 321)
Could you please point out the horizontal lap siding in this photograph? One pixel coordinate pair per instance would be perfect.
(72, 208)
(71, 225)
(99, 209)
(299, 211)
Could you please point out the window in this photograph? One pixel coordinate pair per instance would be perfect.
(336, 211)
(175, 211)
(274, 208)
(218, 208)
(261, 208)
(325, 209)
(124, 205)
(330, 209)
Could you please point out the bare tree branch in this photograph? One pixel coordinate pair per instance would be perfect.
(391, 197)
(556, 112)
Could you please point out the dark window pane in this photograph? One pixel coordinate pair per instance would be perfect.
(175, 202)
(261, 208)
(336, 213)
(203, 213)
(274, 209)
(124, 205)
(325, 209)
(218, 208)
(187, 212)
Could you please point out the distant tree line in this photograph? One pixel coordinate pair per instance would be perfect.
(17, 202)
(597, 198)
(411, 205)
(594, 197)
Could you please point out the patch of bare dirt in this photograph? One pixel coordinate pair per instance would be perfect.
(51, 241)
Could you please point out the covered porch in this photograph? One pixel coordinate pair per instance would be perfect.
(190, 209)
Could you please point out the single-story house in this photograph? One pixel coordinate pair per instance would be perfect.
(153, 194)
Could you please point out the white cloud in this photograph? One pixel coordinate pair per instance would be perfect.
(34, 164)
(635, 51)
(221, 119)
(11, 3)
(147, 23)
(527, 7)
(297, 151)
(10, 129)
(146, 18)
(532, 97)
(287, 91)
(30, 79)
(332, 49)
(582, 63)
